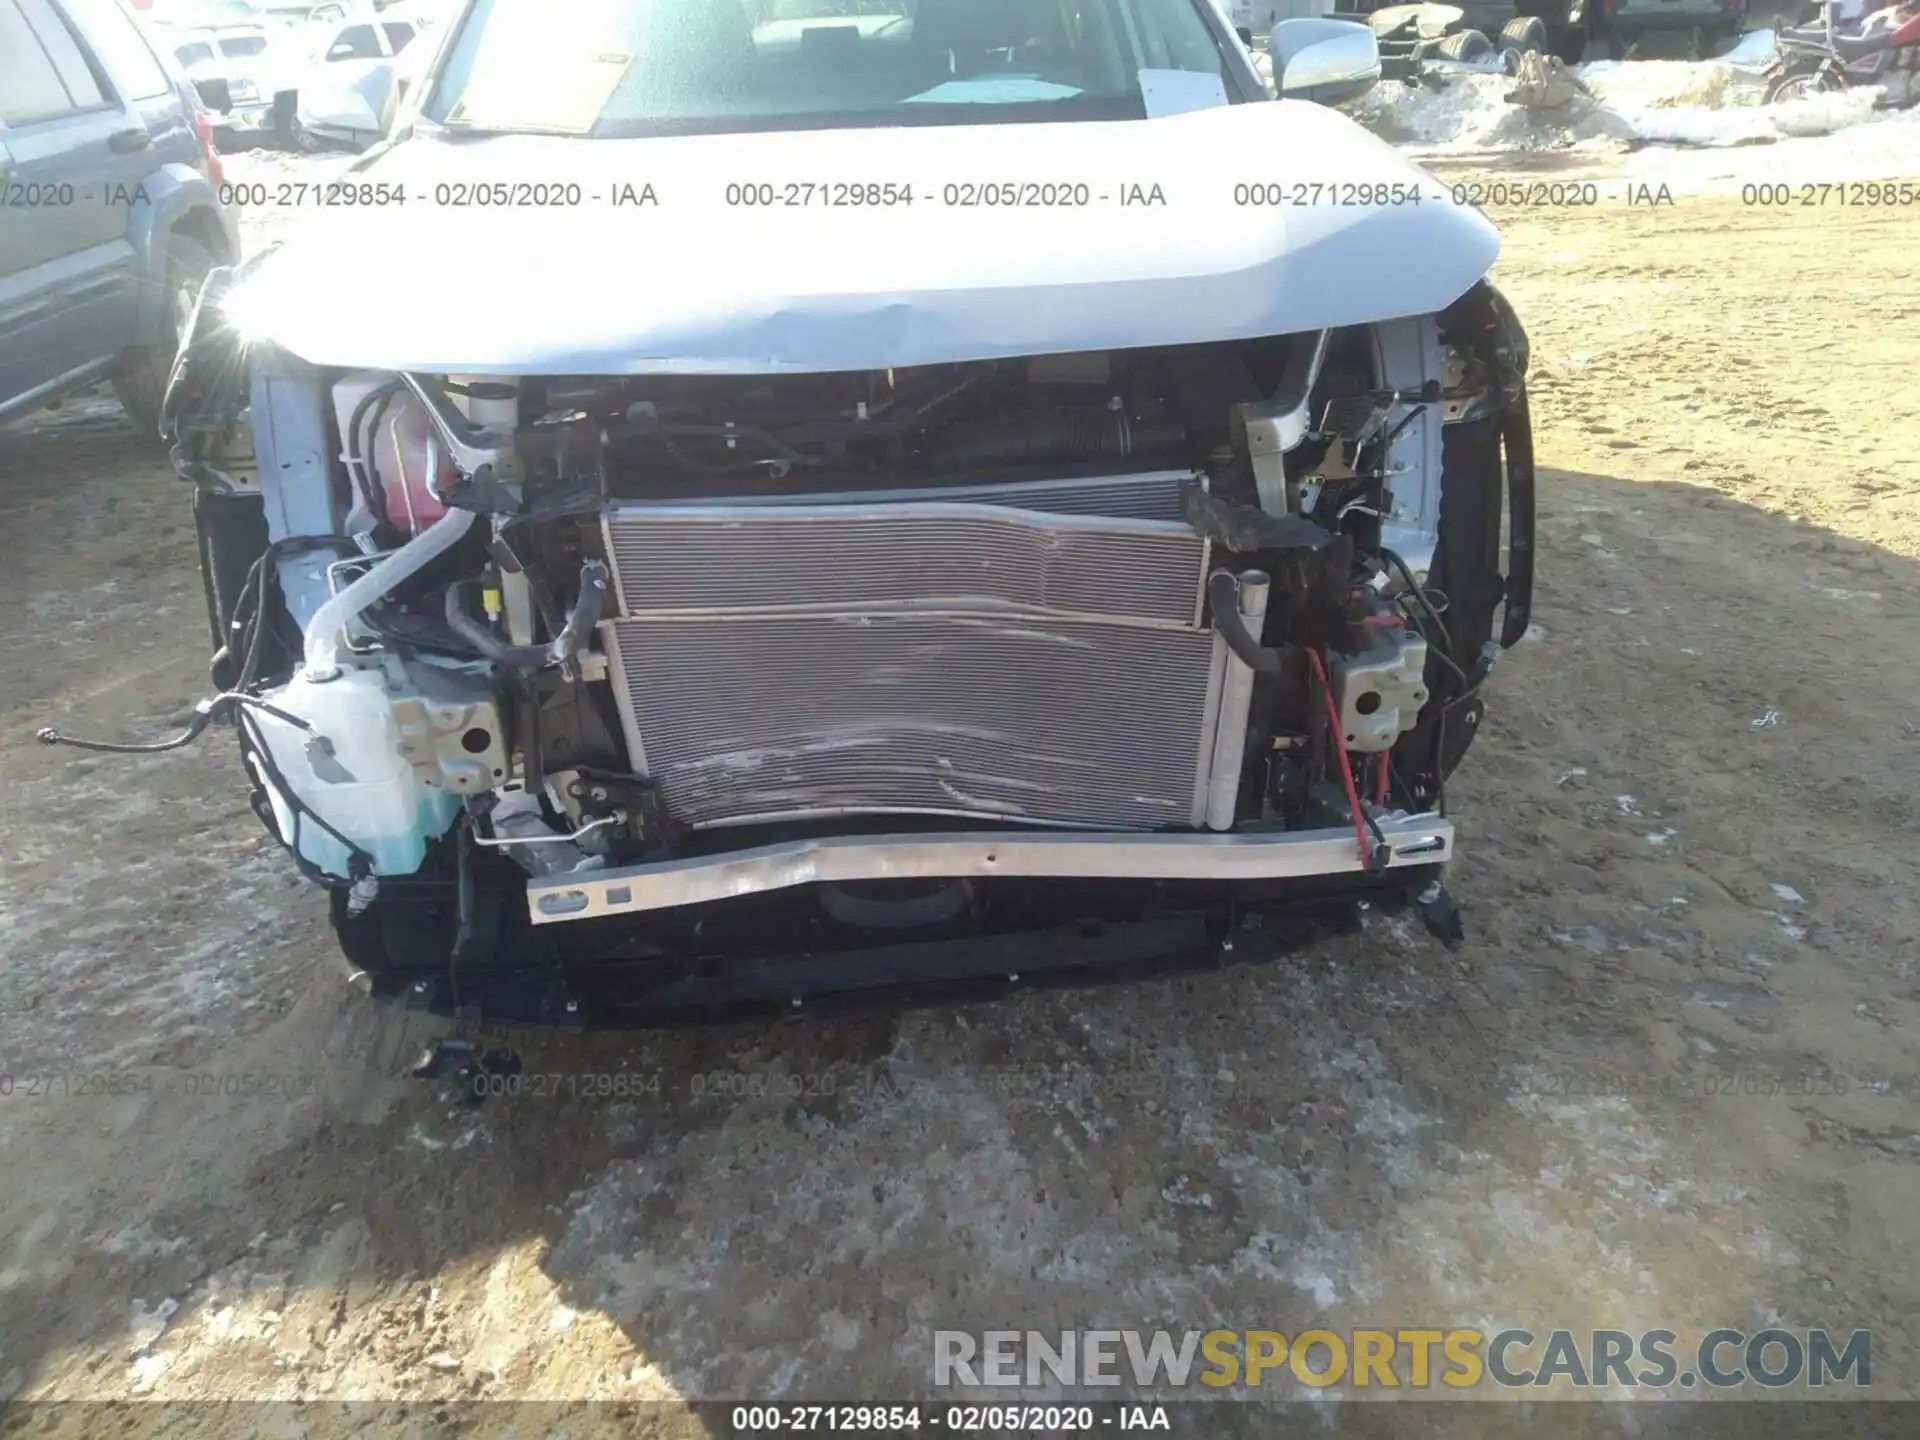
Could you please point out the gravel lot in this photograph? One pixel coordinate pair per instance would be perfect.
(1687, 840)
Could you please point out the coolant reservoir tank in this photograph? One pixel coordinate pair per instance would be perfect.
(357, 781)
(411, 488)
(394, 436)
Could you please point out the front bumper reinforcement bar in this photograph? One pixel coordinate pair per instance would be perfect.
(1413, 840)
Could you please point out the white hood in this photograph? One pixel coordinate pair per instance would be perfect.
(695, 285)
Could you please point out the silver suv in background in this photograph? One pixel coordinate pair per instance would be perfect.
(235, 69)
(109, 210)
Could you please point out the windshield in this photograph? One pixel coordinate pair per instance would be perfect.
(194, 55)
(612, 68)
(241, 47)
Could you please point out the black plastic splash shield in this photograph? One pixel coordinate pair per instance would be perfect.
(781, 955)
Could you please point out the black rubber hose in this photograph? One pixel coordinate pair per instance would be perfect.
(370, 460)
(572, 637)
(203, 716)
(587, 609)
(1439, 638)
(379, 395)
(1223, 594)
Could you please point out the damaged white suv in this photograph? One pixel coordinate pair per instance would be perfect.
(745, 503)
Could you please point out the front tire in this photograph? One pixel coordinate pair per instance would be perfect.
(1801, 85)
(142, 380)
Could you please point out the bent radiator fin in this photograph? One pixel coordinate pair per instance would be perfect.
(920, 656)
(1049, 721)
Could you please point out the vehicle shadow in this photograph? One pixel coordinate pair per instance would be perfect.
(1377, 1132)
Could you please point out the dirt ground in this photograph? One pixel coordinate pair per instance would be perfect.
(1686, 873)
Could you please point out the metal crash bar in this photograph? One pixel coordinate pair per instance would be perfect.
(1414, 840)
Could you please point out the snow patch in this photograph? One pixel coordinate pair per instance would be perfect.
(1711, 104)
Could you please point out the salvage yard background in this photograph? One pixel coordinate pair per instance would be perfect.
(1686, 866)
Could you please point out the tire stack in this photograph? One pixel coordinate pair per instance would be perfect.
(1469, 47)
(1518, 36)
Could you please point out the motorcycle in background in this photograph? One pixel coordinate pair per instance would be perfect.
(1884, 51)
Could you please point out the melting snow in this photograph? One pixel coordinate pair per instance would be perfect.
(1713, 104)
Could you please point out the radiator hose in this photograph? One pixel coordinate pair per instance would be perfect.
(564, 646)
(1223, 594)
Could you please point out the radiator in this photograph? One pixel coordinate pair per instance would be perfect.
(1025, 654)
(1154, 495)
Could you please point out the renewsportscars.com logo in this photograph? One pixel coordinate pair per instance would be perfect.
(1408, 1359)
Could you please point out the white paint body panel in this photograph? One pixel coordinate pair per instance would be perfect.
(694, 285)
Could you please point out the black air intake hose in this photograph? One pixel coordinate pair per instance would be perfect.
(1042, 437)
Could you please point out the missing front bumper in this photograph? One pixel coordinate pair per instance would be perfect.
(1413, 841)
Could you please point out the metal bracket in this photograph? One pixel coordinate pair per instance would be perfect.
(486, 460)
(1279, 423)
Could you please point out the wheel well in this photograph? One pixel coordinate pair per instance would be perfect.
(202, 226)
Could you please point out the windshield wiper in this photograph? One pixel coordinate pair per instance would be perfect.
(440, 130)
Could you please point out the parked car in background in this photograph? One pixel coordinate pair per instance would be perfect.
(349, 86)
(237, 70)
(1708, 26)
(109, 210)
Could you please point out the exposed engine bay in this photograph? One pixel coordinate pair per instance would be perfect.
(1212, 613)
